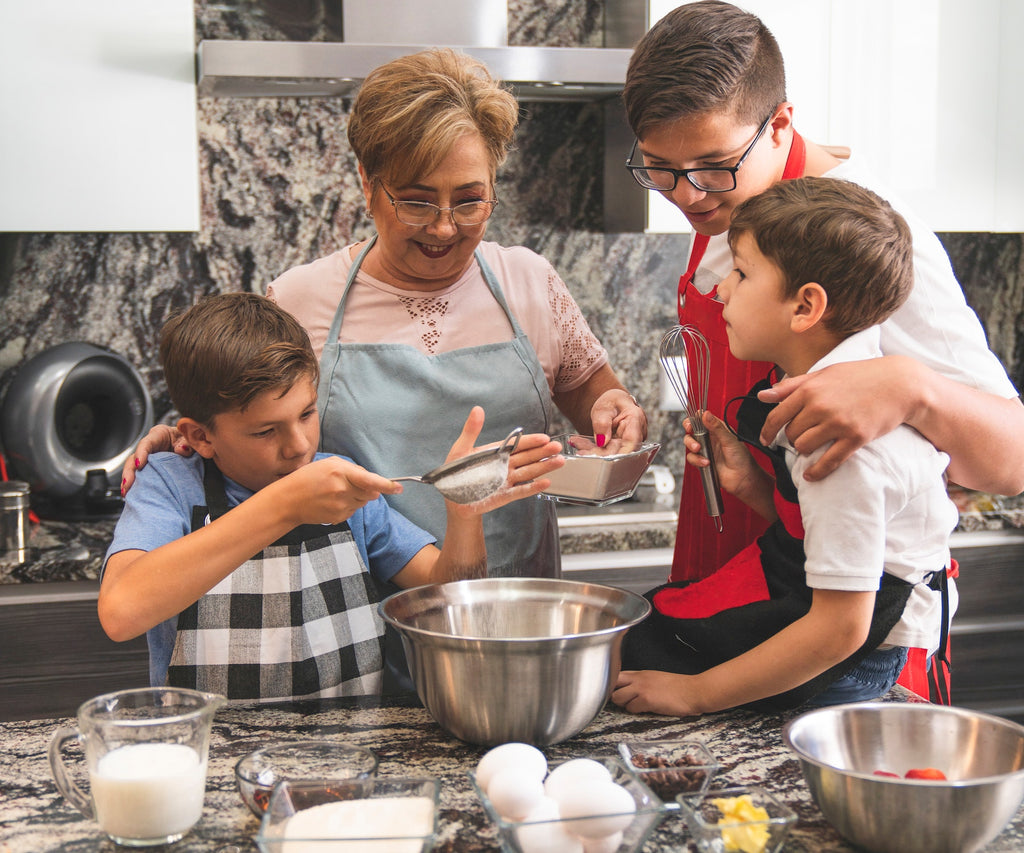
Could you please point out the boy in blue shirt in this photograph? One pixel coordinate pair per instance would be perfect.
(254, 564)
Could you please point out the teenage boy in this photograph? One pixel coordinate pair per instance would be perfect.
(254, 564)
(705, 96)
(851, 572)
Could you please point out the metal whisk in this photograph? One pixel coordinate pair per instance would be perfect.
(685, 357)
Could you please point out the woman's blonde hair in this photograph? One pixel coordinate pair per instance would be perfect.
(410, 111)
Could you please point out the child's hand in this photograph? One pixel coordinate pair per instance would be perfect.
(655, 692)
(328, 491)
(733, 461)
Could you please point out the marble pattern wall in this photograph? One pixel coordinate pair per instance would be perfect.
(279, 188)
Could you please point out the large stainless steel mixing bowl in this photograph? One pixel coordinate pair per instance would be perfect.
(513, 659)
(841, 747)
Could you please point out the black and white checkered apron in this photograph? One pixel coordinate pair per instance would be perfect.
(298, 620)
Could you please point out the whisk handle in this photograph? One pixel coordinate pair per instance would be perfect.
(709, 477)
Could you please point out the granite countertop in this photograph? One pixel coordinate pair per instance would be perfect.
(62, 551)
(36, 818)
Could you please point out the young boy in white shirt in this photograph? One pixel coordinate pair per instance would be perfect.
(852, 571)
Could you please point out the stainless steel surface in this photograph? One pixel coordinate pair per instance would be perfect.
(839, 749)
(292, 69)
(513, 659)
(597, 476)
(474, 477)
(479, 22)
(684, 356)
(14, 522)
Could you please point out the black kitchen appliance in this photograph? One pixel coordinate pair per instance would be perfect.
(71, 417)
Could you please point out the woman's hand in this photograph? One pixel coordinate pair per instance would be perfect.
(535, 455)
(617, 414)
(161, 438)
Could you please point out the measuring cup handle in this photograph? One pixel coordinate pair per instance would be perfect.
(65, 784)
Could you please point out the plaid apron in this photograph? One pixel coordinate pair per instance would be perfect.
(299, 620)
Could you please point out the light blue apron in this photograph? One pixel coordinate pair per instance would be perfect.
(396, 410)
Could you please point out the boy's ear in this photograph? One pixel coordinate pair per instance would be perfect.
(809, 306)
(197, 436)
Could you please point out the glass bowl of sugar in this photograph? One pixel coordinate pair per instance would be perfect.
(392, 815)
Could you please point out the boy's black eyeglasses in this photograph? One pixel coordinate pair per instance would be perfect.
(426, 212)
(721, 179)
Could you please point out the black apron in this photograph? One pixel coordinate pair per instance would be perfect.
(696, 625)
(297, 621)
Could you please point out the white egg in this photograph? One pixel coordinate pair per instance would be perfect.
(608, 844)
(546, 838)
(521, 755)
(568, 775)
(596, 809)
(515, 792)
(546, 809)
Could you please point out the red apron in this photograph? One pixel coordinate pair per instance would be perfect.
(700, 548)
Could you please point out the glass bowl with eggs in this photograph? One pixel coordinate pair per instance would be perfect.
(582, 805)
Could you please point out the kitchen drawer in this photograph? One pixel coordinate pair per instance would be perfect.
(55, 652)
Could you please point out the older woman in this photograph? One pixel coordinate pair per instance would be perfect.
(424, 320)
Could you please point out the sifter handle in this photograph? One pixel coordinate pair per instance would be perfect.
(709, 475)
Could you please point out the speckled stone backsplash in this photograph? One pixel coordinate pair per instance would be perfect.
(279, 188)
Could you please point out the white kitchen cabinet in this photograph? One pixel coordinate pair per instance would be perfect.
(99, 106)
(926, 92)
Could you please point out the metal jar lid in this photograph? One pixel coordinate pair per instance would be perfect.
(14, 494)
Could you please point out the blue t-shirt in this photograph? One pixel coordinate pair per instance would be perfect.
(158, 510)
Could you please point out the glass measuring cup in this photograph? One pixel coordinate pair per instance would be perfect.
(145, 752)
(473, 477)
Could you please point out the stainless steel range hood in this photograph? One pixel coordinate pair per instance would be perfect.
(377, 31)
(296, 69)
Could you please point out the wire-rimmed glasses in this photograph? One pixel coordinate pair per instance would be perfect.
(422, 213)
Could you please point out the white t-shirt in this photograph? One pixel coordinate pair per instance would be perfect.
(935, 325)
(885, 507)
(464, 314)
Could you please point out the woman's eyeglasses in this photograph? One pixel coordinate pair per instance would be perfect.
(426, 212)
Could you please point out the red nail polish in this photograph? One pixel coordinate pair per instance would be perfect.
(600, 439)
(136, 461)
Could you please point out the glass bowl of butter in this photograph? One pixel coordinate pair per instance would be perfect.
(743, 818)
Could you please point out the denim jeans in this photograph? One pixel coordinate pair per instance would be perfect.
(871, 678)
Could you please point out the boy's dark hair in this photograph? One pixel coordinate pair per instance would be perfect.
(700, 57)
(838, 234)
(224, 351)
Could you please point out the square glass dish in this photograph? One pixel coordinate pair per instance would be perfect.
(541, 834)
(258, 772)
(596, 476)
(671, 768)
(389, 815)
(744, 817)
